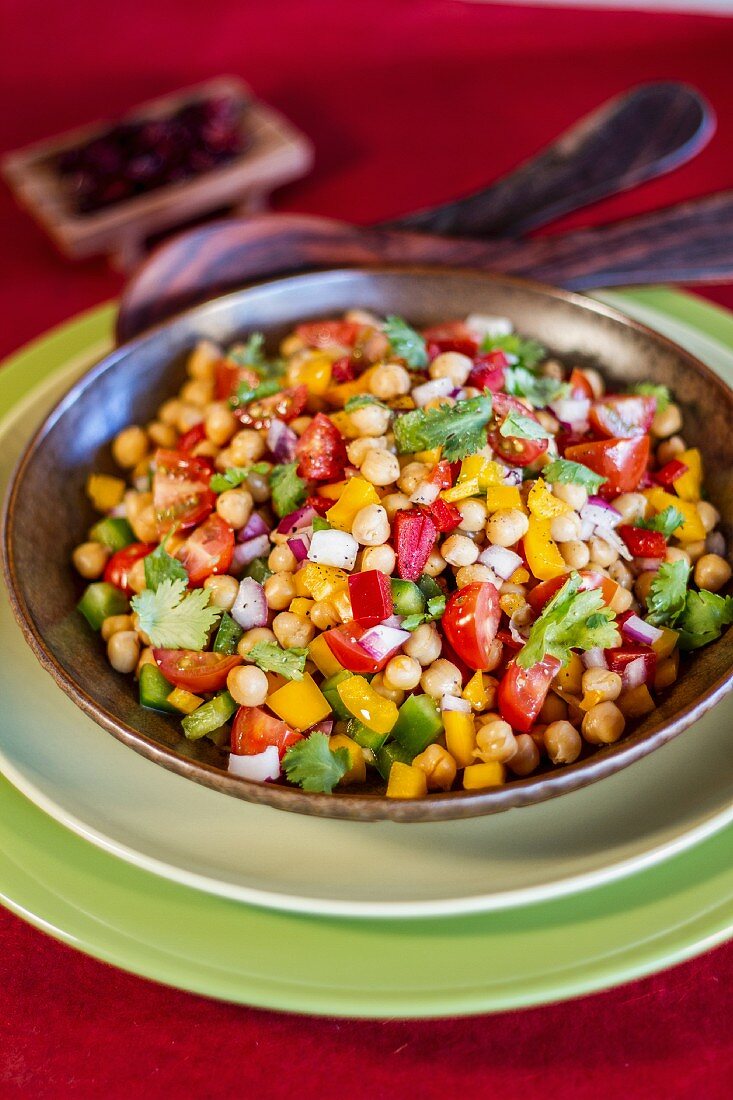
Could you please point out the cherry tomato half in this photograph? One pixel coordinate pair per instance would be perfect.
(321, 451)
(620, 416)
(545, 590)
(579, 384)
(522, 691)
(196, 672)
(621, 461)
(517, 452)
(207, 550)
(643, 543)
(254, 730)
(119, 565)
(191, 438)
(452, 336)
(229, 376)
(285, 405)
(319, 334)
(470, 622)
(181, 493)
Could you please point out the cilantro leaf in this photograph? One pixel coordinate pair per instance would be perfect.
(571, 620)
(288, 490)
(704, 616)
(651, 389)
(522, 382)
(251, 353)
(315, 766)
(565, 471)
(435, 609)
(459, 429)
(522, 427)
(172, 619)
(528, 352)
(405, 342)
(289, 663)
(246, 393)
(667, 521)
(666, 600)
(161, 566)
(235, 475)
(360, 400)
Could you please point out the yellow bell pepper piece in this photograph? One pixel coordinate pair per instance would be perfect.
(332, 491)
(511, 602)
(357, 769)
(339, 395)
(105, 492)
(430, 458)
(689, 485)
(301, 606)
(320, 654)
(461, 491)
(300, 588)
(321, 581)
(542, 503)
(664, 646)
(692, 529)
(313, 371)
(570, 678)
(543, 557)
(503, 496)
(183, 700)
(519, 576)
(405, 781)
(373, 710)
(460, 736)
(342, 420)
(482, 470)
(355, 495)
(478, 776)
(666, 671)
(635, 702)
(300, 703)
(475, 693)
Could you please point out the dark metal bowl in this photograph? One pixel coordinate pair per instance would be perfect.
(47, 513)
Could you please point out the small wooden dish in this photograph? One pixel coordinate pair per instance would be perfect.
(275, 154)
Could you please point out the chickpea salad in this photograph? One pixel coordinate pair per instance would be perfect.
(417, 560)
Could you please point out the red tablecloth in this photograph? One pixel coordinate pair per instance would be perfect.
(408, 103)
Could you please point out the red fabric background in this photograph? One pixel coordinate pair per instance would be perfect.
(408, 103)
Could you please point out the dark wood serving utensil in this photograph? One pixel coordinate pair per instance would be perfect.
(688, 243)
(632, 138)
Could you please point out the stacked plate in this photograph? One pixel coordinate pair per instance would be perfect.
(136, 865)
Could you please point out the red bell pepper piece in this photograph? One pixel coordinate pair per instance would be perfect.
(441, 475)
(371, 597)
(321, 451)
(617, 659)
(319, 504)
(489, 371)
(445, 516)
(415, 535)
(643, 543)
(192, 438)
(669, 472)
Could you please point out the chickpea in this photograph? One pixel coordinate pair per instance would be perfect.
(562, 742)
(495, 741)
(439, 767)
(370, 420)
(602, 683)
(146, 658)
(643, 584)
(259, 487)
(220, 423)
(670, 448)
(473, 515)
(279, 591)
(129, 447)
(394, 694)
(695, 550)
(394, 503)
(667, 422)
(206, 449)
(222, 591)
(247, 447)
(676, 553)
(402, 672)
(715, 543)
(632, 506)
(198, 391)
(382, 558)
(527, 757)
(459, 550)
(323, 615)
(235, 507)
(169, 410)
(565, 527)
(123, 651)
(89, 559)
(411, 476)
(552, 369)
(603, 724)
(424, 644)
(248, 685)
(300, 424)
(253, 637)
(574, 495)
(554, 709)
(709, 515)
(576, 554)
(506, 527)
(441, 678)
(292, 631)
(549, 422)
(435, 564)
(619, 572)
(358, 449)
(162, 435)
(453, 365)
(203, 359)
(290, 345)
(114, 623)
(597, 383)
(390, 380)
(371, 525)
(380, 467)
(470, 574)
(144, 522)
(188, 417)
(622, 600)
(602, 553)
(136, 577)
(712, 572)
(282, 560)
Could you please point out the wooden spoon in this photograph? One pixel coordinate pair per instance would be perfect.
(691, 242)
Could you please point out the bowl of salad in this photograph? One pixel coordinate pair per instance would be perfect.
(398, 543)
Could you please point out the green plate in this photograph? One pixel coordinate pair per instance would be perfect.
(482, 962)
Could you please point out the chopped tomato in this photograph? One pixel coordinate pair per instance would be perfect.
(441, 475)
(229, 376)
(321, 451)
(670, 472)
(452, 336)
(517, 452)
(579, 384)
(619, 416)
(192, 438)
(542, 593)
(522, 691)
(489, 372)
(343, 370)
(119, 565)
(254, 730)
(643, 543)
(319, 504)
(470, 622)
(196, 672)
(320, 334)
(621, 461)
(285, 405)
(181, 494)
(343, 641)
(208, 550)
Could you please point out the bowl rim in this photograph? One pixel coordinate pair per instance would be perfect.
(348, 805)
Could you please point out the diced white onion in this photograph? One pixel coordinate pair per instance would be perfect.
(504, 562)
(428, 391)
(614, 540)
(454, 702)
(250, 607)
(600, 514)
(336, 548)
(482, 324)
(571, 410)
(261, 766)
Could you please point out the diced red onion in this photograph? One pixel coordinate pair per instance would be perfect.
(263, 765)
(428, 391)
(246, 552)
(571, 410)
(250, 607)
(481, 324)
(594, 658)
(425, 493)
(640, 631)
(647, 565)
(715, 543)
(336, 548)
(512, 476)
(455, 702)
(635, 673)
(393, 620)
(281, 440)
(299, 545)
(254, 526)
(382, 641)
(600, 513)
(301, 517)
(326, 726)
(119, 511)
(504, 562)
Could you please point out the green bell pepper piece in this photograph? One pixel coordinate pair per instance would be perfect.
(227, 635)
(155, 689)
(429, 587)
(419, 724)
(387, 755)
(113, 532)
(368, 739)
(407, 599)
(209, 716)
(258, 570)
(101, 600)
(329, 688)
